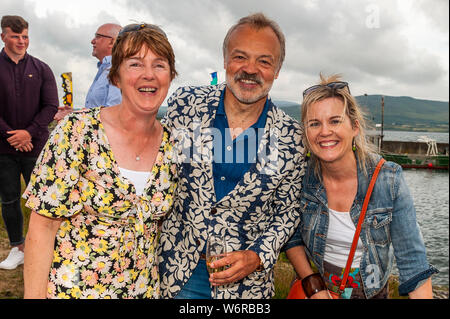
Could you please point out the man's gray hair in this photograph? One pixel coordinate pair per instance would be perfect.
(258, 21)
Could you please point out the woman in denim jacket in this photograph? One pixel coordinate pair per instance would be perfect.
(341, 164)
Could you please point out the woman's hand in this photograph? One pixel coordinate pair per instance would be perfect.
(425, 291)
(323, 294)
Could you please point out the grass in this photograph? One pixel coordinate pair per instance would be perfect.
(284, 276)
(11, 281)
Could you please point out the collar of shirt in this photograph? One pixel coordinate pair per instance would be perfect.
(223, 122)
(101, 92)
(7, 58)
(105, 62)
(233, 158)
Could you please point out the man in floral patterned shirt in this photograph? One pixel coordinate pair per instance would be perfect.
(241, 163)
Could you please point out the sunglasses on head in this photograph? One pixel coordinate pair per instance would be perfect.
(139, 26)
(332, 85)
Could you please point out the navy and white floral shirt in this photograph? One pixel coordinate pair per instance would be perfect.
(259, 214)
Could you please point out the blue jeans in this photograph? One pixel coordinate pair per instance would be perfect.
(11, 168)
(198, 286)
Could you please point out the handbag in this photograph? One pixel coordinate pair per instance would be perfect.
(297, 292)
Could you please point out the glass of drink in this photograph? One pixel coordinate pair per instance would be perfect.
(216, 248)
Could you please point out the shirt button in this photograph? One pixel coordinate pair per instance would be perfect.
(213, 211)
(229, 148)
(222, 178)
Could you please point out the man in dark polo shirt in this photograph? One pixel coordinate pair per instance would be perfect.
(28, 103)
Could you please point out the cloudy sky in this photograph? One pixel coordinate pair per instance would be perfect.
(390, 47)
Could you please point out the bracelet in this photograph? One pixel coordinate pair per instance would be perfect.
(312, 284)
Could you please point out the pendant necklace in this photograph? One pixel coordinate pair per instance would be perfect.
(138, 155)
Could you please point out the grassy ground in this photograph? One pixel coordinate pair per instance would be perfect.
(11, 281)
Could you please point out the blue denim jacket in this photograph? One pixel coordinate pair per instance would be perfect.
(389, 229)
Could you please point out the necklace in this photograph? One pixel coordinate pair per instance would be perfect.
(139, 154)
(158, 133)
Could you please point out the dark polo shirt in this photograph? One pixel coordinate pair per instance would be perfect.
(28, 100)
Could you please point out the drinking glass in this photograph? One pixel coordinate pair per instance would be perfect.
(216, 248)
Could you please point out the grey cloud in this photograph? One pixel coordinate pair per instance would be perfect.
(326, 35)
(436, 12)
(60, 46)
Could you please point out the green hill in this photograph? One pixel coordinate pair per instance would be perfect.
(405, 112)
(400, 112)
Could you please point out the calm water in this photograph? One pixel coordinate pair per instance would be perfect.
(413, 136)
(430, 190)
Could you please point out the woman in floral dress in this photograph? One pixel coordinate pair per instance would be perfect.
(103, 182)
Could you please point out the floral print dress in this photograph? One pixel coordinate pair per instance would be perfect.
(106, 244)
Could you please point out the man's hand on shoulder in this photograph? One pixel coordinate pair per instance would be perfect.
(62, 112)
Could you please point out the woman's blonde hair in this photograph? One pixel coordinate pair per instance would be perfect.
(351, 108)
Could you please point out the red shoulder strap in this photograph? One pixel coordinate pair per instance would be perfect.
(360, 222)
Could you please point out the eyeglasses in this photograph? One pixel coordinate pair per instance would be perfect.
(99, 35)
(332, 85)
(139, 26)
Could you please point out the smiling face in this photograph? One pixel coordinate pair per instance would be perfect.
(329, 130)
(144, 79)
(251, 63)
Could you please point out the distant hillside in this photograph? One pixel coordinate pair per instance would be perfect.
(162, 111)
(400, 113)
(404, 111)
(291, 108)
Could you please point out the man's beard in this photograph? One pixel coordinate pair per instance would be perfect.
(250, 77)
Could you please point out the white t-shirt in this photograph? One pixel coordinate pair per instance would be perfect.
(339, 240)
(138, 178)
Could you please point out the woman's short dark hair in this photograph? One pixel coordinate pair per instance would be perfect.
(128, 44)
